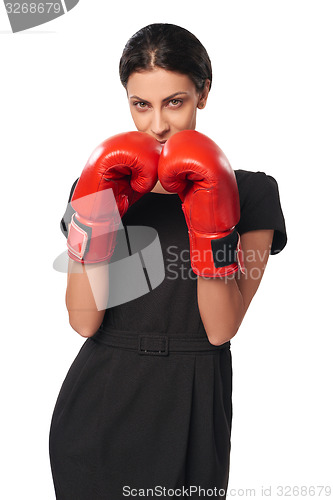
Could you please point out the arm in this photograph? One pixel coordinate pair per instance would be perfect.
(223, 302)
(86, 296)
(194, 166)
(119, 171)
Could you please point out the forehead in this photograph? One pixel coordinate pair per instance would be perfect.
(158, 83)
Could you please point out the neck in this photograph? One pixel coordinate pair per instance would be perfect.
(158, 188)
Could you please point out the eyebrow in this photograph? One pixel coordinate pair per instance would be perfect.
(163, 100)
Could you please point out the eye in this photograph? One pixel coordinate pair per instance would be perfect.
(140, 105)
(175, 103)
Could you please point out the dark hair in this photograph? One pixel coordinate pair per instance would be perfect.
(169, 47)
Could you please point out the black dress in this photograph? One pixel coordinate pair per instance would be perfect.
(146, 408)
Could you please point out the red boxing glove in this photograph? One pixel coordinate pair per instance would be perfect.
(193, 166)
(117, 174)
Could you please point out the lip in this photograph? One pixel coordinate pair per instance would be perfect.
(162, 142)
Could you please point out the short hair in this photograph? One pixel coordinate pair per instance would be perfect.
(169, 47)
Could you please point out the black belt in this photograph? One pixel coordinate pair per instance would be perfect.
(156, 345)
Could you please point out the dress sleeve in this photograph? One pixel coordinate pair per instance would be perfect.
(68, 213)
(260, 206)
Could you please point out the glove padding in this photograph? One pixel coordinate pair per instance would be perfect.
(193, 166)
(120, 170)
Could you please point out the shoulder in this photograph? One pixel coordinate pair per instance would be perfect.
(254, 185)
(260, 206)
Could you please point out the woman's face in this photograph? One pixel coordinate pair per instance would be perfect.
(163, 102)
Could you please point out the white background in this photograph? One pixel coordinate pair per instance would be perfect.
(270, 109)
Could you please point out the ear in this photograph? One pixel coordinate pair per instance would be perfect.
(203, 96)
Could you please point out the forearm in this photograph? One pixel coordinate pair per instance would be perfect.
(223, 302)
(86, 296)
(221, 307)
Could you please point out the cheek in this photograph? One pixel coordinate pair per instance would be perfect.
(140, 120)
(186, 119)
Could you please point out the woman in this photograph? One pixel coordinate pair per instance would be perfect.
(126, 421)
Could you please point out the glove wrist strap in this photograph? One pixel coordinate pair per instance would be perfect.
(216, 255)
(93, 243)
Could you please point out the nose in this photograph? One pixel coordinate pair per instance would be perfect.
(159, 125)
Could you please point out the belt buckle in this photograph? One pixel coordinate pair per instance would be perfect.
(153, 345)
